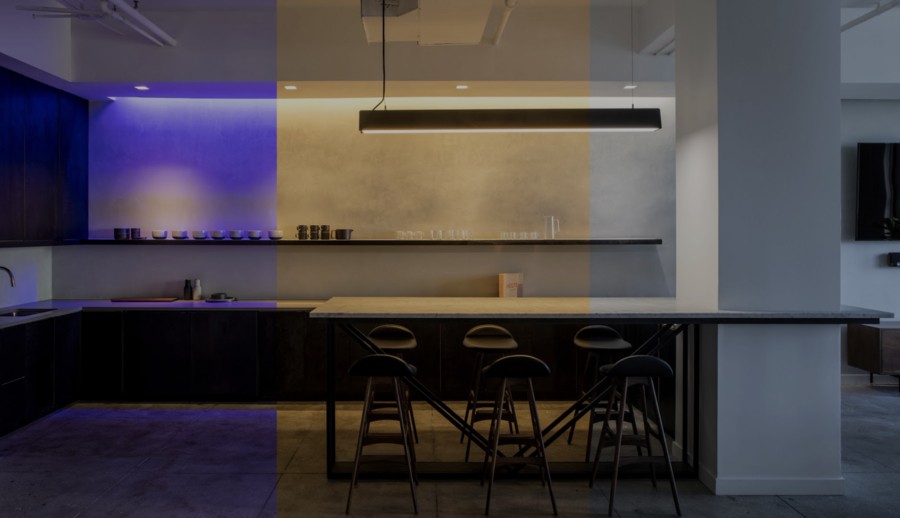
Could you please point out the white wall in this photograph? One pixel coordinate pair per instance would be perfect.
(33, 269)
(869, 50)
(866, 280)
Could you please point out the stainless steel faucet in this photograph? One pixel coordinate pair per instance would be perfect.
(12, 278)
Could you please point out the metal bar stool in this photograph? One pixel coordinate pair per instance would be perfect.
(395, 340)
(635, 372)
(486, 339)
(602, 344)
(383, 366)
(516, 370)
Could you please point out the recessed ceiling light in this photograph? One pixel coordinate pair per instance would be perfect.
(630, 87)
(142, 88)
(290, 87)
(462, 87)
(112, 98)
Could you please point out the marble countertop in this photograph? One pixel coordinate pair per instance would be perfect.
(646, 309)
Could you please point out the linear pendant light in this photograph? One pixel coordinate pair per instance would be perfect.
(510, 121)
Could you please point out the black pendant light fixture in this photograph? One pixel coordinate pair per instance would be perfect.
(507, 120)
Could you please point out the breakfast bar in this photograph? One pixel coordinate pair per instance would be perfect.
(671, 318)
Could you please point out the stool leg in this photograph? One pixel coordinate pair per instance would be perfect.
(647, 435)
(620, 427)
(665, 448)
(511, 412)
(407, 445)
(363, 428)
(495, 445)
(584, 374)
(473, 403)
(604, 431)
(539, 441)
(493, 429)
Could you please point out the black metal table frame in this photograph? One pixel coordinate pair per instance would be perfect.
(665, 334)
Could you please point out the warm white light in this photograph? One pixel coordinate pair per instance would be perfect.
(630, 87)
(462, 87)
(290, 87)
(142, 88)
(111, 98)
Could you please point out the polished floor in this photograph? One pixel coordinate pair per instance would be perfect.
(252, 461)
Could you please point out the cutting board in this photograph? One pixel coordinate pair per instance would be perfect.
(144, 299)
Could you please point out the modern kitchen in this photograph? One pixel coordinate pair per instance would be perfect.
(203, 247)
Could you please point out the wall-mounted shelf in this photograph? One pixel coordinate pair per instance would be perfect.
(377, 242)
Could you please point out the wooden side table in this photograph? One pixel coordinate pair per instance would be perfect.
(874, 347)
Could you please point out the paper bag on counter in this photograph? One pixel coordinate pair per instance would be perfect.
(511, 284)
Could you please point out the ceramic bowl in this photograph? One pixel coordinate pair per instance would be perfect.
(276, 234)
(254, 234)
(159, 234)
(180, 234)
(236, 234)
(218, 234)
(199, 234)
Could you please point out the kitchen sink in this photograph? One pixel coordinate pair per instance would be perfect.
(26, 312)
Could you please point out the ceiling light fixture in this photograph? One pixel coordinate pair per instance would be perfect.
(462, 87)
(290, 87)
(507, 120)
(142, 88)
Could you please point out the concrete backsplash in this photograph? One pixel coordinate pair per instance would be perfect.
(599, 185)
(33, 270)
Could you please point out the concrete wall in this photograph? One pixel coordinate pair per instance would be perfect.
(172, 164)
(42, 43)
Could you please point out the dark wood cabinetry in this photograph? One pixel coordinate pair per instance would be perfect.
(874, 347)
(37, 369)
(66, 345)
(224, 355)
(101, 355)
(43, 163)
(156, 352)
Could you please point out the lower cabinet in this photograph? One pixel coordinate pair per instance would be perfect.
(100, 364)
(156, 352)
(38, 369)
(224, 355)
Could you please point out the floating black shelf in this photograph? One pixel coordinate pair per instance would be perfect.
(377, 242)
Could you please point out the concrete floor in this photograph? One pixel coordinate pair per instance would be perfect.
(257, 461)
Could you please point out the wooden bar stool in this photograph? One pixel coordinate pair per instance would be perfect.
(604, 345)
(384, 366)
(629, 373)
(395, 340)
(486, 339)
(516, 371)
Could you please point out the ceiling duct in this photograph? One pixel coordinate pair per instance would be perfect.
(427, 22)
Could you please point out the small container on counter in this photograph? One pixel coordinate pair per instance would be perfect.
(188, 291)
(198, 290)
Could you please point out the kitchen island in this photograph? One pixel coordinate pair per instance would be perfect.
(674, 318)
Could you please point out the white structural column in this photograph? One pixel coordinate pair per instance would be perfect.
(758, 167)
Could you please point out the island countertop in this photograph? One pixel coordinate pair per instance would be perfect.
(622, 309)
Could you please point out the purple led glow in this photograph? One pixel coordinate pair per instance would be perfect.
(183, 164)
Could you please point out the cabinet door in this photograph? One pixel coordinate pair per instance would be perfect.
(66, 342)
(157, 355)
(13, 405)
(224, 354)
(101, 355)
(72, 213)
(13, 356)
(12, 155)
(39, 339)
(41, 162)
(281, 360)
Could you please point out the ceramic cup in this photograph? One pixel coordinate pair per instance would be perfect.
(180, 234)
(217, 234)
(236, 234)
(121, 233)
(254, 234)
(199, 234)
(276, 234)
(342, 233)
(135, 233)
(159, 234)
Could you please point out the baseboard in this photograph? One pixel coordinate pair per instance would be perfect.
(679, 453)
(772, 486)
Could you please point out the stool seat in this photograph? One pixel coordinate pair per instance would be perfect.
(639, 365)
(602, 338)
(382, 365)
(393, 337)
(517, 366)
(489, 337)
